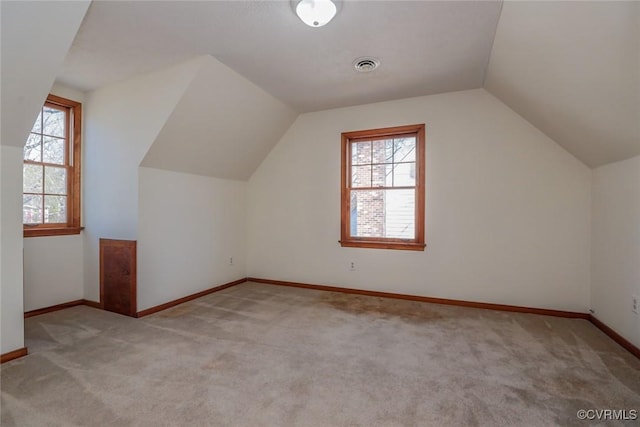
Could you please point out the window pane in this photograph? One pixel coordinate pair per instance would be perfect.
(31, 209)
(404, 175)
(382, 151)
(55, 209)
(383, 213)
(379, 175)
(33, 148)
(361, 176)
(404, 150)
(367, 213)
(388, 170)
(53, 122)
(53, 150)
(399, 214)
(361, 153)
(37, 126)
(55, 180)
(32, 178)
(388, 147)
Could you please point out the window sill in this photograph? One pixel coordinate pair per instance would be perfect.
(51, 231)
(374, 244)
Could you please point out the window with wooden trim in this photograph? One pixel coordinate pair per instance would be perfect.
(51, 170)
(383, 172)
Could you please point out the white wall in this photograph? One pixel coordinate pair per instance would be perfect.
(11, 315)
(507, 209)
(53, 271)
(121, 122)
(53, 266)
(188, 228)
(615, 270)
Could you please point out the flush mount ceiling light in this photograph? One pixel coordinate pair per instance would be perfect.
(315, 13)
(366, 64)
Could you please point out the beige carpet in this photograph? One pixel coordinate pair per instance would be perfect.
(261, 355)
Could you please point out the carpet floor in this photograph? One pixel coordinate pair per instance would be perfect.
(262, 355)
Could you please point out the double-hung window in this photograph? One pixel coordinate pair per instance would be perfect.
(51, 170)
(383, 173)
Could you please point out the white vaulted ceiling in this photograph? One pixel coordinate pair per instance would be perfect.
(35, 37)
(425, 47)
(571, 68)
(222, 126)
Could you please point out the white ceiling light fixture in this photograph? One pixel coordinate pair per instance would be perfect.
(316, 13)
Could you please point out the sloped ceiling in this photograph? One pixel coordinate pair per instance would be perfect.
(425, 47)
(572, 69)
(223, 126)
(36, 36)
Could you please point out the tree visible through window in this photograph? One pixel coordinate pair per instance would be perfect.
(383, 188)
(51, 170)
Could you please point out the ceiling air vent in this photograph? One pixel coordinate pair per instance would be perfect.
(366, 64)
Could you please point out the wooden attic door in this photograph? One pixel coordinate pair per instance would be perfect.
(118, 276)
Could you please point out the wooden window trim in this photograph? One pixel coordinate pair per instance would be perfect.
(346, 240)
(73, 225)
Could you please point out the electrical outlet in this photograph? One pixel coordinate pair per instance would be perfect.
(634, 303)
(230, 260)
(352, 266)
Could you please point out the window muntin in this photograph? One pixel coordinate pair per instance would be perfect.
(383, 188)
(51, 170)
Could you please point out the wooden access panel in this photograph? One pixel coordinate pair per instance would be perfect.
(118, 276)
